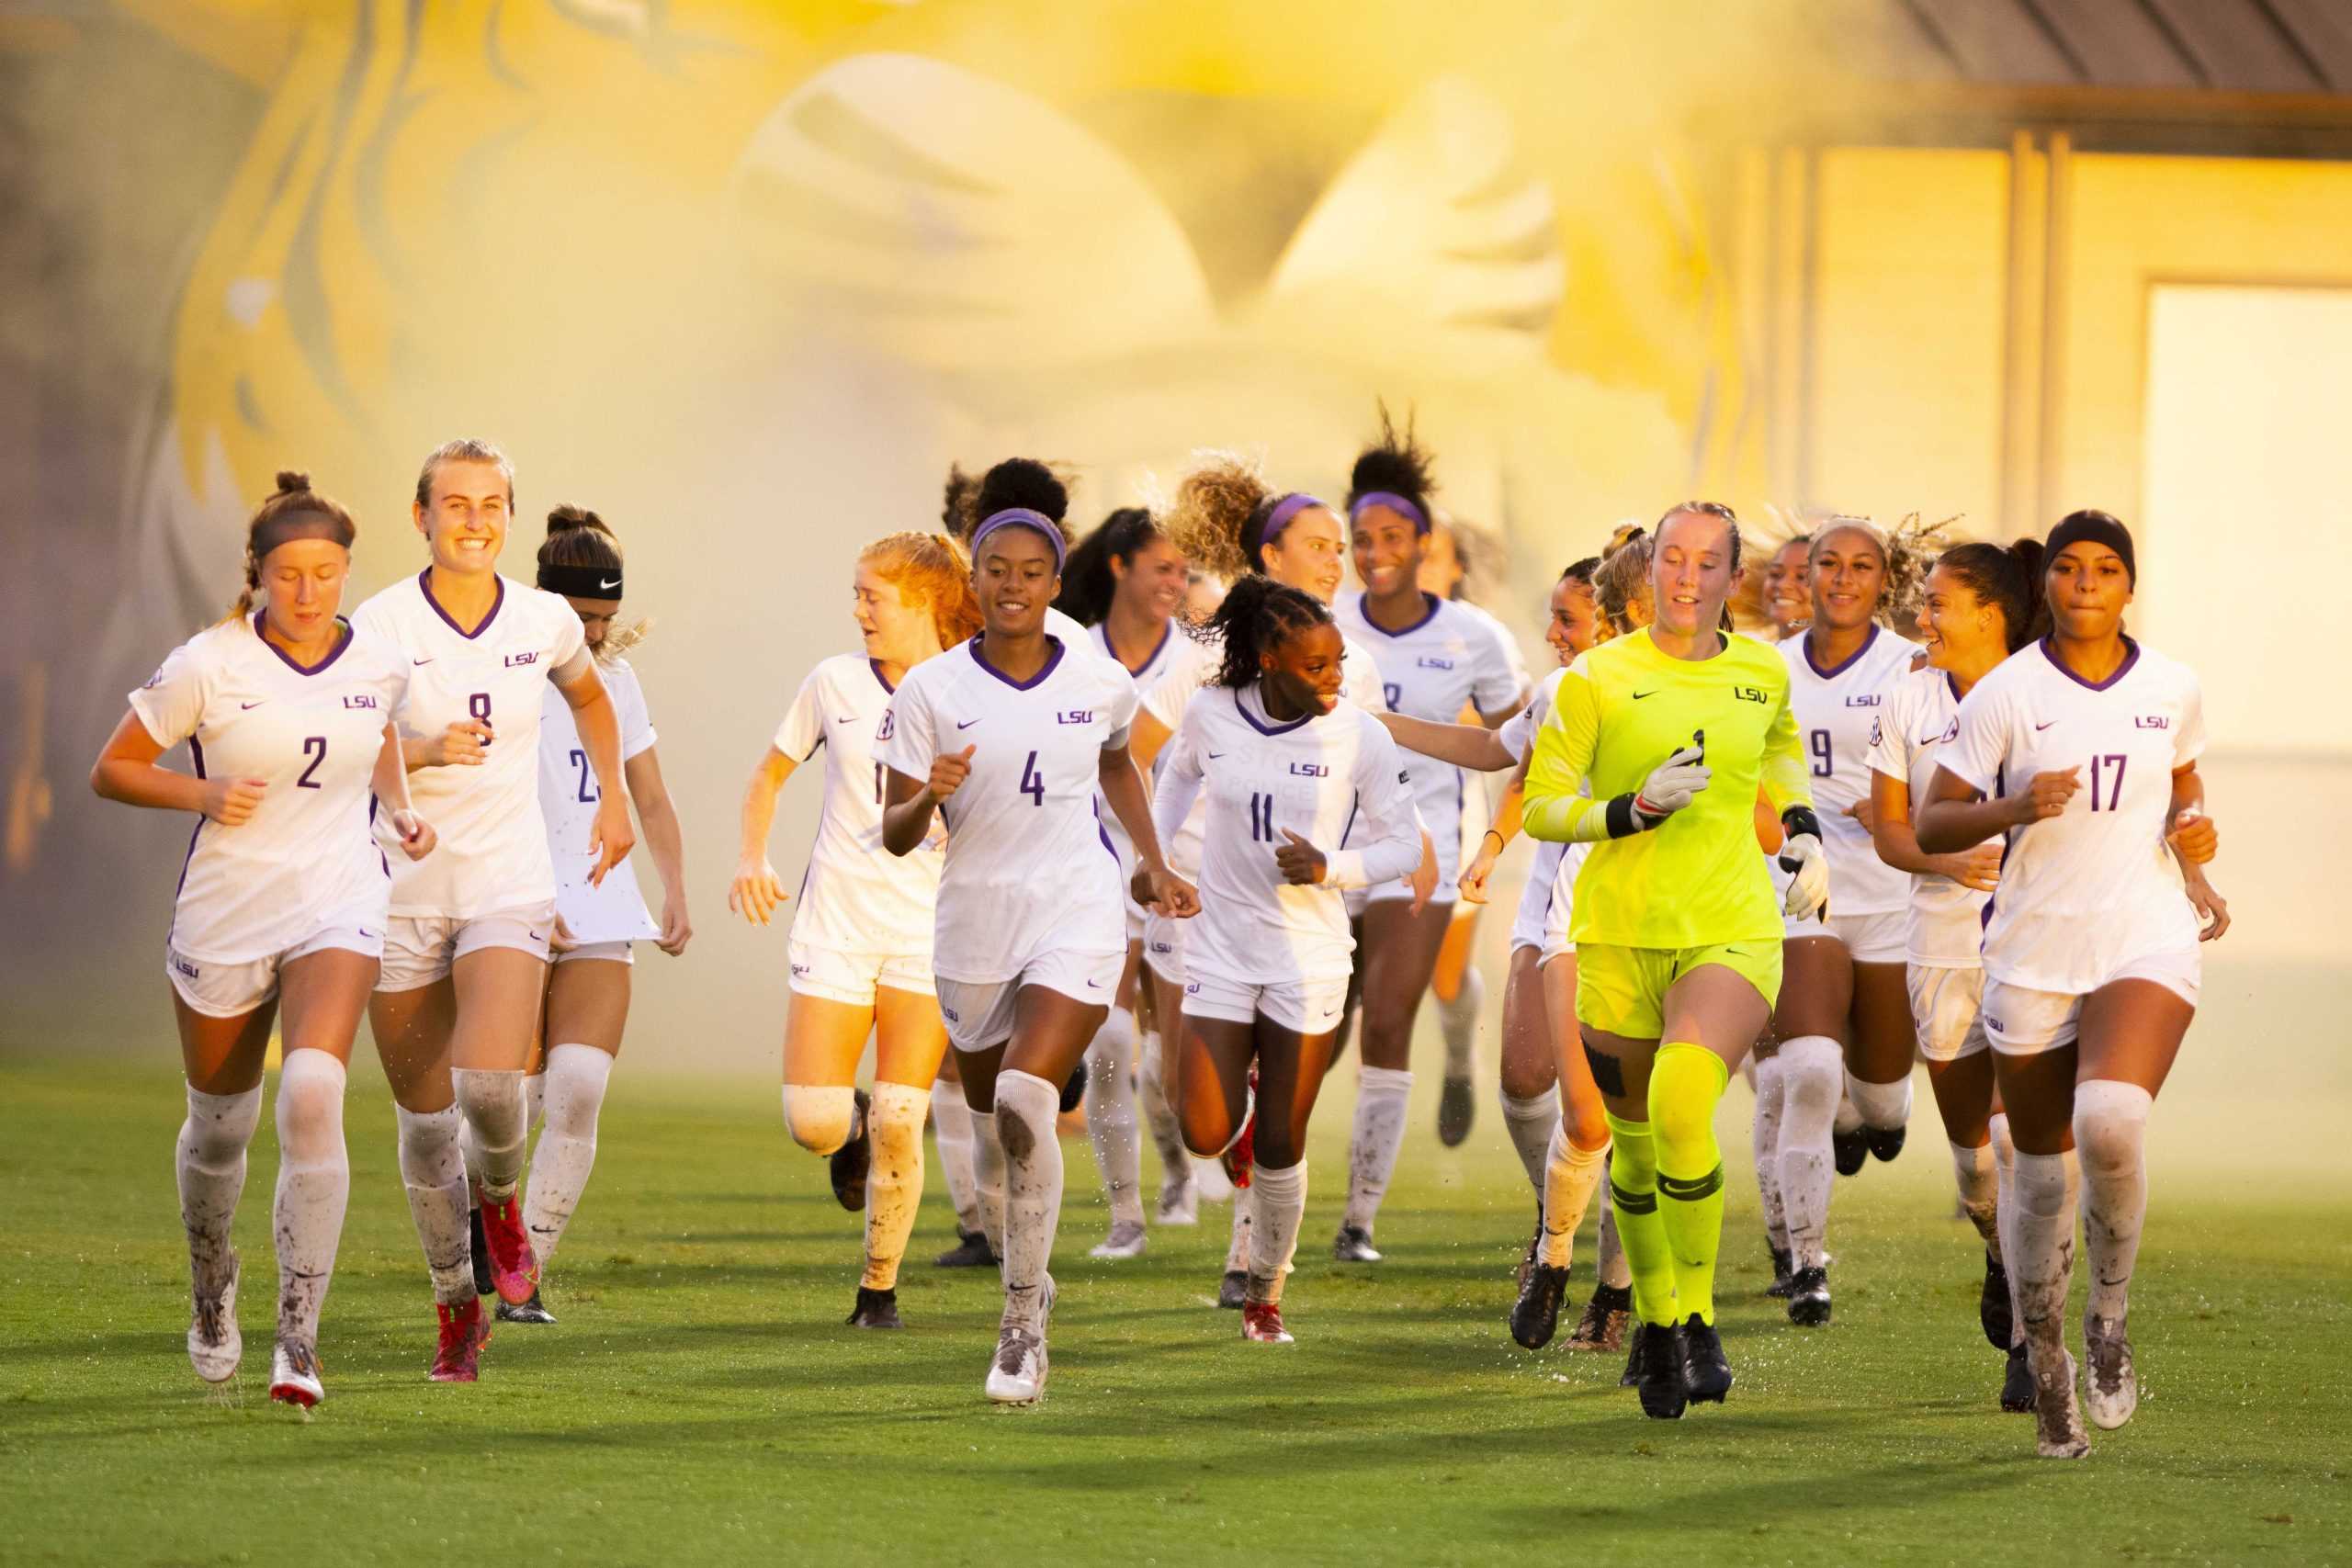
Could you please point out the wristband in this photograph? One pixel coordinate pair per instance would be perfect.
(1498, 838)
(1799, 820)
(1624, 820)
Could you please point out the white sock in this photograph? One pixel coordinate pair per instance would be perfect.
(1458, 1021)
(1849, 1117)
(1278, 1205)
(1570, 1175)
(1379, 1132)
(1166, 1137)
(313, 1189)
(1615, 1271)
(821, 1118)
(1979, 1183)
(2005, 1175)
(492, 1103)
(211, 1160)
(988, 1175)
(2043, 1262)
(1237, 1241)
(1886, 1106)
(893, 1179)
(573, 1095)
(535, 1099)
(1812, 1070)
(1026, 1106)
(951, 1128)
(435, 1173)
(2110, 1132)
(1110, 1116)
(1764, 1142)
(1533, 1125)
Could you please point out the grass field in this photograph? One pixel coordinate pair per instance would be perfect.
(699, 1400)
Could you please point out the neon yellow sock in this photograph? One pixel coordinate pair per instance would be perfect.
(1633, 1191)
(1685, 1083)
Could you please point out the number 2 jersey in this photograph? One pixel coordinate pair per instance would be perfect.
(614, 909)
(1028, 867)
(1836, 710)
(305, 860)
(2094, 887)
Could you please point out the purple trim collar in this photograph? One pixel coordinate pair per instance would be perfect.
(1363, 607)
(1260, 725)
(876, 665)
(424, 584)
(1848, 662)
(304, 668)
(1052, 659)
(1157, 648)
(2131, 656)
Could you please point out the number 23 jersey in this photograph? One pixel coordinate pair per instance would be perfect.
(1028, 868)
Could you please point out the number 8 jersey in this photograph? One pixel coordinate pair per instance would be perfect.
(1029, 869)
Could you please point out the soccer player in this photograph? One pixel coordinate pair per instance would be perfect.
(279, 917)
(861, 943)
(1008, 739)
(1286, 769)
(1787, 595)
(1435, 659)
(596, 923)
(1673, 731)
(2082, 753)
(456, 1007)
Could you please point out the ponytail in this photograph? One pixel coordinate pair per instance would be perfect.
(2009, 577)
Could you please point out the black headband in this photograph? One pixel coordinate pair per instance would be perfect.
(582, 581)
(2099, 529)
(300, 523)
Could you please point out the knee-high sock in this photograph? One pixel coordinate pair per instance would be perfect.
(210, 1159)
(1110, 1116)
(1979, 1183)
(535, 1099)
(1886, 1106)
(573, 1096)
(820, 1117)
(2111, 1130)
(313, 1189)
(1379, 1132)
(435, 1173)
(1236, 1241)
(1167, 1137)
(1570, 1175)
(1025, 1108)
(2005, 1174)
(1613, 1270)
(1534, 1125)
(1633, 1192)
(1813, 1072)
(950, 1128)
(2043, 1263)
(1847, 1119)
(1685, 1083)
(1458, 1021)
(1278, 1206)
(988, 1175)
(894, 1181)
(1764, 1141)
(495, 1112)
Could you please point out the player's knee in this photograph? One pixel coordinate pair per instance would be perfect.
(1813, 1076)
(220, 1126)
(309, 1105)
(492, 1103)
(819, 1119)
(1207, 1132)
(895, 1123)
(1632, 1156)
(1585, 1127)
(1882, 1104)
(428, 1145)
(2111, 1124)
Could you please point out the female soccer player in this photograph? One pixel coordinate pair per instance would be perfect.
(287, 713)
(1126, 583)
(597, 924)
(2091, 961)
(1435, 659)
(1787, 593)
(861, 949)
(1676, 925)
(1286, 770)
(456, 1007)
(1009, 738)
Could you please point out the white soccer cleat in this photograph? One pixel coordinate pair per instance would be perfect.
(2111, 1389)
(214, 1346)
(1180, 1203)
(1017, 1376)
(294, 1375)
(2057, 1419)
(1125, 1240)
(1216, 1187)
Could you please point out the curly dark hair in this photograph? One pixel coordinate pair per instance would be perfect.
(1088, 581)
(1396, 463)
(1259, 614)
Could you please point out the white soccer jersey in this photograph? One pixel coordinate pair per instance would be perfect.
(1546, 899)
(305, 860)
(493, 846)
(856, 897)
(2090, 890)
(1330, 779)
(614, 909)
(1945, 928)
(1835, 710)
(1511, 650)
(1028, 866)
(1145, 676)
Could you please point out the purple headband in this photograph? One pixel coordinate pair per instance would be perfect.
(1021, 517)
(1277, 520)
(1394, 502)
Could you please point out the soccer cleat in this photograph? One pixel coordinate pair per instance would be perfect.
(1883, 1142)
(1534, 1249)
(1706, 1370)
(1602, 1326)
(2017, 1383)
(1662, 1381)
(1180, 1203)
(1535, 1316)
(971, 1251)
(2111, 1391)
(875, 1309)
(1848, 1151)
(1635, 1355)
(294, 1374)
(1354, 1244)
(1457, 1106)
(1783, 1270)
(1074, 1088)
(1233, 1290)
(1992, 1305)
(1262, 1323)
(1017, 1375)
(464, 1331)
(1125, 1240)
(214, 1345)
(1809, 1298)
(513, 1267)
(849, 1164)
(531, 1311)
(2057, 1421)
(483, 1287)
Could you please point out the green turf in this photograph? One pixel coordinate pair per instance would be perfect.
(699, 1400)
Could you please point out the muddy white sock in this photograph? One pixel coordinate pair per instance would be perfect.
(1615, 1273)
(1979, 1183)
(1884, 1106)
(1110, 1116)
(2110, 1132)
(493, 1108)
(1026, 1106)
(951, 1128)
(1237, 1241)
(1278, 1206)
(988, 1175)
(2005, 1176)
(893, 1179)
(573, 1096)
(1380, 1093)
(1570, 1176)
(313, 1189)
(1533, 1125)
(1166, 1137)
(535, 1099)
(1813, 1073)
(210, 1159)
(1764, 1142)
(435, 1174)
(2043, 1262)
(1458, 1021)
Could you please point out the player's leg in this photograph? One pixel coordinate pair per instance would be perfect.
(587, 1011)
(1575, 1164)
(951, 1123)
(1208, 1084)
(500, 990)
(1291, 1065)
(2017, 1379)
(1945, 1004)
(1531, 1066)
(2034, 1036)
(911, 1040)
(322, 995)
(1399, 951)
(1180, 1193)
(413, 1016)
(1811, 1023)
(1111, 1116)
(1769, 1080)
(223, 1058)
(1460, 992)
(1882, 1044)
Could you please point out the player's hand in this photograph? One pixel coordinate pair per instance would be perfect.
(1864, 812)
(416, 834)
(2047, 795)
(948, 772)
(1156, 887)
(560, 937)
(612, 838)
(1472, 883)
(1808, 868)
(756, 892)
(231, 802)
(1422, 878)
(1302, 864)
(464, 744)
(1978, 870)
(1672, 784)
(2212, 911)
(677, 927)
(2194, 838)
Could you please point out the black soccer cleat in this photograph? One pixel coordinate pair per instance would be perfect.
(1535, 1316)
(1605, 1320)
(849, 1164)
(1883, 1142)
(1457, 1106)
(1635, 1355)
(2017, 1383)
(1354, 1244)
(1534, 1245)
(875, 1309)
(1706, 1370)
(1783, 1270)
(1233, 1290)
(1848, 1150)
(971, 1251)
(1992, 1305)
(1074, 1091)
(1663, 1382)
(483, 1286)
(1809, 1298)
(531, 1311)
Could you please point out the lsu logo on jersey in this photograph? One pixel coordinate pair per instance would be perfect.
(1431, 661)
(2153, 721)
(1075, 716)
(1309, 770)
(517, 661)
(1750, 694)
(1865, 702)
(359, 700)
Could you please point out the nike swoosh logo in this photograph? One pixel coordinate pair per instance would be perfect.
(253, 704)
(2039, 728)
(1939, 735)
(369, 934)
(538, 936)
(614, 583)
(1639, 695)
(1215, 756)
(966, 723)
(427, 661)
(1094, 985)
(851, 719)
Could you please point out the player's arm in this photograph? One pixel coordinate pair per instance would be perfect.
(757, 891)
(1155, 885)
(1898, 844)
(600, 736)
(1179, 786)
(390, 783)
(1510, 816)
(1394, 838)
(128, 770)
(659, 816)
(1146, 737)
(2194, 841)
(1472, 745)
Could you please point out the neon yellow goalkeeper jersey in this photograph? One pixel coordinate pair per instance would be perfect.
(1623, 708)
